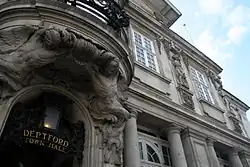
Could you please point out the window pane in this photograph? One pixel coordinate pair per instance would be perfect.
(152, 155)
(151, 62)
(51, 117)
(145, 53)
(166, 155)
(193, 73)
(147, 45)
(138, 39)
(200, 90)
(140, 55)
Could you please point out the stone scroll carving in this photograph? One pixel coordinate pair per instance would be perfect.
(175, 56)
(25, 49)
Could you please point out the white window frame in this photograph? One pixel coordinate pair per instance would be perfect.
(144, 38)
(151, 141)
(202, 83)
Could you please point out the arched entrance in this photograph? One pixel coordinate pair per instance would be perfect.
(41, 131)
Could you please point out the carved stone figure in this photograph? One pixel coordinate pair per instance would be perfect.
(113, 142)
(216, 79)
(180, 75)
(24, 49)
(218, 83)
(106, 104)
(104, 69)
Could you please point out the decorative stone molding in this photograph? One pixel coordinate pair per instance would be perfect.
(210, 141)
(173, 128)
(158, 42)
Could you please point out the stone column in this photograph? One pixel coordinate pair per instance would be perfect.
(234, 158)
(176, 147)
(212, 155)
(243, 158)
(131, 149)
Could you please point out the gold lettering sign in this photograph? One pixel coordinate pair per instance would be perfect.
(45, 139)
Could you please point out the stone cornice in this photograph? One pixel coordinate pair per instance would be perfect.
(234, 100)
(194, 54)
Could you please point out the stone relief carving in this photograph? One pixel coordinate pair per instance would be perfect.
(187, 99)
(216, 80)
(36, 47)
(180, 74)
(106, 104)
(233, 114)
(175, 55)
(33, 48)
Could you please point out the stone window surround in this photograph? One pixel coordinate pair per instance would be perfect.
(205, 85)
(152, 140)
(157, 70)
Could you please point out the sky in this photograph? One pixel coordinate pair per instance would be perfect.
(221, 30)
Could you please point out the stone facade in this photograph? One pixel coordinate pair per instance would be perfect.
(137, 94)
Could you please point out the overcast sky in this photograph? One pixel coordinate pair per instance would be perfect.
(221, 30)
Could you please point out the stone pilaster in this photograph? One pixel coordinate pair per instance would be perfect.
(176, 147)
(212, 155)
(243, 158)
(234, 158)
(131, 149)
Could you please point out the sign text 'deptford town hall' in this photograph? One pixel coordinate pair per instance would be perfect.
(45, 139)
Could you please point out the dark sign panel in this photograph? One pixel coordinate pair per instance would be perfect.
(46, 139)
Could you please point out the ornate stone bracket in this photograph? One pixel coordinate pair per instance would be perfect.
(216, 80)
(182, 83)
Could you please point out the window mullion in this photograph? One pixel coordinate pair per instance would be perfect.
(145, 152)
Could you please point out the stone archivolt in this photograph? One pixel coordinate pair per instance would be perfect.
(25, 50)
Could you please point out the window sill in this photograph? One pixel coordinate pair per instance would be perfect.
(212, 112)
(211, 105)
(164, 79)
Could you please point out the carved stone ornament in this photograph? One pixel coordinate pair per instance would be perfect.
(175, 58)
(158, 42)
(236, 124)
(187, 97)
(106, 104)
(175, 54)
(216, 80)
(25, 49)
(179, 72)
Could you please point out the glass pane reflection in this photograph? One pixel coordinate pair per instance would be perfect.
(51, 117)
